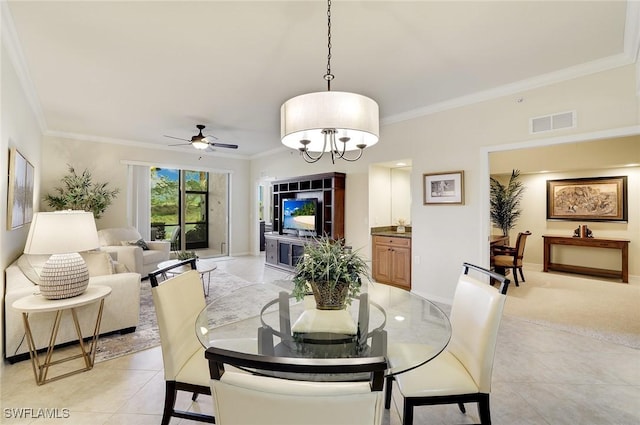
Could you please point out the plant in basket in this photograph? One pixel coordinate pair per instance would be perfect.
(329, 270)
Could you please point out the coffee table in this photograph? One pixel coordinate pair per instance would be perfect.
(203, 266)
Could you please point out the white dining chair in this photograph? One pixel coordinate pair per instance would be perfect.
(177, 301)
(462, 372)
(306, 397)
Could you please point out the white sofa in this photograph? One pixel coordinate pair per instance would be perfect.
(121, 308)
(121, 240)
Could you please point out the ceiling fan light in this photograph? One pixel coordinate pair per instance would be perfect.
(200, 144)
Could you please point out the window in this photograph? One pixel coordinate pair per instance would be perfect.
(190, 205)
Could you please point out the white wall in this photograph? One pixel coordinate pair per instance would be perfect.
(18, 129)
(107, 163)
(460, 139)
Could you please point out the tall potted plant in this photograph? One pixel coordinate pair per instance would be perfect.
(332, 272)
(80, 192)
(505, 202)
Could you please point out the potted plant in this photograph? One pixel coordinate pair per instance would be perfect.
(332, 272)
(505, 202)
(81, 193)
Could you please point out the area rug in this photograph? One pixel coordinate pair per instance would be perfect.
(603, 309)
(146, 334)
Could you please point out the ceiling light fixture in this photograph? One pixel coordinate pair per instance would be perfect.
(331, 121)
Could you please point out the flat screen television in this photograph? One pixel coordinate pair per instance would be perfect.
(300, 216)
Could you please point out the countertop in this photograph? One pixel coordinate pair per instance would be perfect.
(391, 231)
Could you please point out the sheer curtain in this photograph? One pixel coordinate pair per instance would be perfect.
(139, 199)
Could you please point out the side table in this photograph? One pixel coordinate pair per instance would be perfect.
(38, 304)
(204, 267)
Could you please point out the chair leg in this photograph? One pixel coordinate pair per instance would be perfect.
(407, 416)
(462, 408)
(483, 409)
(194, 397)
(387, 392)
(515, 276)
(521, 274)
(169, 401)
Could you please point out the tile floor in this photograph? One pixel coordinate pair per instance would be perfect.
(541, 376)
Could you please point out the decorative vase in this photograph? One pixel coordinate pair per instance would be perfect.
(328, 296)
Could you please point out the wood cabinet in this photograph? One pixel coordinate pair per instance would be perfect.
(327, 188)
(284, 251)
(392, 260)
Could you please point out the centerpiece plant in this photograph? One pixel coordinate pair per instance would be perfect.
(331, 271)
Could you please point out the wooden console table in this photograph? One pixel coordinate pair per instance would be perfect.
(621, 244)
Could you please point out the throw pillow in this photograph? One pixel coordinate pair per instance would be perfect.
(99, 263)
(140, 242)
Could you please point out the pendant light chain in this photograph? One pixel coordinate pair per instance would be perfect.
(328, 76)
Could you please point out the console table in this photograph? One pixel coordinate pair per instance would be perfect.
(621, 244)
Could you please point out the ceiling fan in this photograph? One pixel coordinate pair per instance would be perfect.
(199, 141)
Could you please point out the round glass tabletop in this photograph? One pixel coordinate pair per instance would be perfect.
(265, 319)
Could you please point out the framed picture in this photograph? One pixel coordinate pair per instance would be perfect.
(587, 199)
(20, 191)
(444, 188)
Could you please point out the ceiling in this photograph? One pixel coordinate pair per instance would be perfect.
(132, 72)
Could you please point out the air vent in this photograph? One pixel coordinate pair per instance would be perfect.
(552, 122)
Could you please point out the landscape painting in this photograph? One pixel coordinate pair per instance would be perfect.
(587, 199)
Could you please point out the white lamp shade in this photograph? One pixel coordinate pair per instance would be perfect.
(351, 115)
(62, 232)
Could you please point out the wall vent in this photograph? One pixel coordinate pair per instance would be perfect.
(552, 122)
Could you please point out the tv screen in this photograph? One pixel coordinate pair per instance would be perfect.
(299, 215)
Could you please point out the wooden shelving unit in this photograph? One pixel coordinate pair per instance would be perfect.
(329, 189)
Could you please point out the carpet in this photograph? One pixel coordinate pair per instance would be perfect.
(146, 334)
(603, 309)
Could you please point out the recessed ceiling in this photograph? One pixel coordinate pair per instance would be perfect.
(134, 71)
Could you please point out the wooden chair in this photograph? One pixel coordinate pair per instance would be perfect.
(462, 372)
(263, 398)
(178, 301)
(510, 258)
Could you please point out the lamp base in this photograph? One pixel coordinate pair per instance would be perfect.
(64, 276)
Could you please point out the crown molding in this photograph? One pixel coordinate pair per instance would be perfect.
(543, 80)
(143, 145)
(12, 45)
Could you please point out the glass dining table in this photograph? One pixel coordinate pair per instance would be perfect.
(264, 319)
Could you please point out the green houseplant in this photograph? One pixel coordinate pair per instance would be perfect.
(80, 192)
(331, 271)
(505, 202)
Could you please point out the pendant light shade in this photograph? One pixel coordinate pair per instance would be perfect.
(332, 121)
(351, 115)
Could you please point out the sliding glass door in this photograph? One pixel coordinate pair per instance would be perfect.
(190, 209)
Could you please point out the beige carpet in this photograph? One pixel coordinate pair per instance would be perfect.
(605, 309)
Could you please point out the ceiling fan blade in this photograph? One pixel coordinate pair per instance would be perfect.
(178, 138)
(211, 136)
(181, 144)
(224, 145)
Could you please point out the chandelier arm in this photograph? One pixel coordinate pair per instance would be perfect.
(352, 159)
(308, 158)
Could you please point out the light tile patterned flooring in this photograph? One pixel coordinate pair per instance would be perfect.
(541, 376)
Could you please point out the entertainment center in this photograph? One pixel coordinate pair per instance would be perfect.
(304, 207)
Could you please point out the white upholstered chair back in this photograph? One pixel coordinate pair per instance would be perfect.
(475, 319)
(241, 398)
(177, 302)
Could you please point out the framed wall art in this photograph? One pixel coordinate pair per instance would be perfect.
(444, 188)
(587, 199)
(20, 190)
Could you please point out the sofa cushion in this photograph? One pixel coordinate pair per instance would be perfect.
(31, 266)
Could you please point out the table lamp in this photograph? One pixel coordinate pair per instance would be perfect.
(62, 234)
